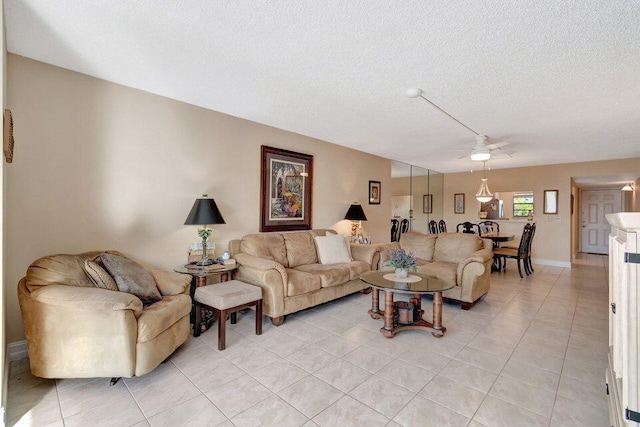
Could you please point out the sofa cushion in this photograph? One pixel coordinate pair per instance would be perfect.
(300, 282)
(300, 248)
(99, 276)
(330, 275)
(131, 277)
(268, 245)
(332, 249)
(454, 247)
(444, 271)
(422, 245)
(356, 268)
(160, 316)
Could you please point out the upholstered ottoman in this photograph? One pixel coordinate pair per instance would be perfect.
(227, 298)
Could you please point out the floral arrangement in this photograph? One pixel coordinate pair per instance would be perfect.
(292, 202)
(402, 259)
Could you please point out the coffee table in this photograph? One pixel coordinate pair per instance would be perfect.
(416, 284)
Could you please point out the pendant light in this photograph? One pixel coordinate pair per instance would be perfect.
(484, 194)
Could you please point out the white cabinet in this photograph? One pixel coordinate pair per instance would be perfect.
(623, 384)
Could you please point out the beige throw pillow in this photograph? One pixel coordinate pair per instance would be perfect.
(131, 277)
(332, 249)
(99, 276)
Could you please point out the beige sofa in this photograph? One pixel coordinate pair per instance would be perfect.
(287, 268)
(75, 329)
(457, 258)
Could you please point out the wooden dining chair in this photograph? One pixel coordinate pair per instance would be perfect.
(404, 227)
(433, 227)
(442, 226)
(395, 228)
(494, 226)
(528, 263)
(519, 254)
(468, 227)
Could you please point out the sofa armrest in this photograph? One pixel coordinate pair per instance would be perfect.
(261, 264)
(365, 253)
(171, 283)
(481, 256)
(385, 250)
(94, 299)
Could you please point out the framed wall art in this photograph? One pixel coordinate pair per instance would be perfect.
(374, 192)
(427, 200)
(458, 203)
(285, 195)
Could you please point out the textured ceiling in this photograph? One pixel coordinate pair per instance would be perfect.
(560, 80)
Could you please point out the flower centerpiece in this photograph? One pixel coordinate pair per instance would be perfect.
(402, 261)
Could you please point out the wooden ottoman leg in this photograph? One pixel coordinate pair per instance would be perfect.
(222, 329)
(259, 318)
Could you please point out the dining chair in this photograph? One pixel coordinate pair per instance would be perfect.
(395, 227)
(468, 227)
(494, 226)
(433, 227)
(442, 226)
(528, 263)
(519, 254)
(404, 227)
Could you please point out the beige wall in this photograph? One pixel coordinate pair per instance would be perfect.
(102, 166)
(3, 293)
(553, 238)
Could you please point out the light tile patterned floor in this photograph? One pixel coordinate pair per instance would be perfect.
(532, 353)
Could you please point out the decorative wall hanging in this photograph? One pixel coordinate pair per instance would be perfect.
(427, 200)
(285, 195)
(7, 139)
(374, 192)
(458, 203)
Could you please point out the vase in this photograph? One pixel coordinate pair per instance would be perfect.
(402, 273)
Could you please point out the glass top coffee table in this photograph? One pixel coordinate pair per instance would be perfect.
(403, 316)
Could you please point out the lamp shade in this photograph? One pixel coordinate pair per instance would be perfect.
(355, 213)
(204, 212)
(484, 194)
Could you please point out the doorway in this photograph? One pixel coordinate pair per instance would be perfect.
(595, 204)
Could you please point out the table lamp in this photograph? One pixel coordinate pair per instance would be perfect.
(204, 212)
(355, 214)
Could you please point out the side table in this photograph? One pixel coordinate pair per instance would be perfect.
(199, 278)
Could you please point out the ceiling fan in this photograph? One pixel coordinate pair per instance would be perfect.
(482, 151)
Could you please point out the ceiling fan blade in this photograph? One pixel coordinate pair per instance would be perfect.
(496, 145)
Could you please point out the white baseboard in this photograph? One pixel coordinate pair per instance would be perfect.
(17, 351)
(551, 262)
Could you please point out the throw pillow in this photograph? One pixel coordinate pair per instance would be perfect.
(131, 277)
(332, 249)
(98, 276)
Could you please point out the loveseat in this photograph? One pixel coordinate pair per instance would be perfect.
(301, 269)
(79, 325)
(461, 259)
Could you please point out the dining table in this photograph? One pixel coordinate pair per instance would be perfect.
(497, 238)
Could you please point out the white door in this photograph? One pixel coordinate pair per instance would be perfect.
(595, 228)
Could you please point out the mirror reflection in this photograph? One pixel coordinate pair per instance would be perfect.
(416, 198)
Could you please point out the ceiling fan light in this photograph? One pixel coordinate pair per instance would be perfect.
(414, 92)
(484, 194)
(480, 156)
(627, 187)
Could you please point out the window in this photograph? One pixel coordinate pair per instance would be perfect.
(522, 204)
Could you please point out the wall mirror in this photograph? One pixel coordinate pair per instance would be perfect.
(550, 201)
(411, 186)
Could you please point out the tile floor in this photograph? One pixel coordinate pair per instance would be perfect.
(532, 353)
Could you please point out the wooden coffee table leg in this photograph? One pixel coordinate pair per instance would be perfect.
(375, 300)
(437, 315)
(387, 330)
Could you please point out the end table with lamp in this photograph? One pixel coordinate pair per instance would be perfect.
(204, 212)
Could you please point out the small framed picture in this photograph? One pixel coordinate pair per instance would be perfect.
(374, 192)
(427, 199)
(458, 203)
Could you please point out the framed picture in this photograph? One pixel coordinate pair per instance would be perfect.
(427, 199)
(551, 202)
(458, 203)
(285, 194)
(374, 192)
